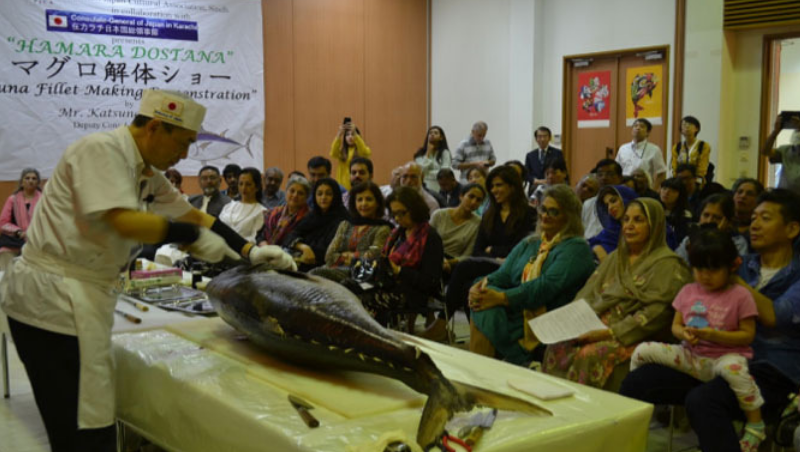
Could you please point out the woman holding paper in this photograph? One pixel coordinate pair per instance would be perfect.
(631, 291)
(544, 271)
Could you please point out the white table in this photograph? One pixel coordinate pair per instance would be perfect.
(197, 387)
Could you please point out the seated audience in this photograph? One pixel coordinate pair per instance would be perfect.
(176, 179)
(361, 170)
(745, 194)
(642, 183)
(717, 210)
(477, 175)
(319, 168)
(630, 293)
(315, 231)
(691, 150)
(231, 175)
(458, 226)
(280, 222)
(273, 195)
(555, 172)
(587, 187)
(211, 201)
(246, 216)
(608, 172)
(543, 272)
(505, 223)
(521, 170)
(433, 156)
(536, 160)
(715, 319)
(363, 235)
(411, 176)
(18, 211)
(449, 187)
(676, 208)
(414, 255)
(611, 204)
(347, 145)
(696, 190)
(772, 276)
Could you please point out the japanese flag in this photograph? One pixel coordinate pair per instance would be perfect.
(57, 20)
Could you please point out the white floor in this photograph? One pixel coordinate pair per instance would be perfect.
(21, 428)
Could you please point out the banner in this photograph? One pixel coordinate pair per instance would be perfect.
(645, 92)
(72, 67)
(594, 93)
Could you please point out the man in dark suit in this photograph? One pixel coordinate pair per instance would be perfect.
(536, 159)
(212, 200)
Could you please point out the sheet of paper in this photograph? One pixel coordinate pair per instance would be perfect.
(565, 323)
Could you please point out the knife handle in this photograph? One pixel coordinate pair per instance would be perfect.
(474, 436)
(308, 418)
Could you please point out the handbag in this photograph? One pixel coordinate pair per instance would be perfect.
(369, 274)
(10, 241)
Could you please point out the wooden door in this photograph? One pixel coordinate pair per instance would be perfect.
(606, 78)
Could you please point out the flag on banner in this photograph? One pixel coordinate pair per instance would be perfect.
(57, 20)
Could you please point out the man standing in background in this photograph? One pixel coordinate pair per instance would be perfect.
(474, 151)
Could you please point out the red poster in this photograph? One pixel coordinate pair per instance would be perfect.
(594, 93)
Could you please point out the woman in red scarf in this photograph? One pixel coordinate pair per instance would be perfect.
(413, 253)
(281, 221)
(18, 210)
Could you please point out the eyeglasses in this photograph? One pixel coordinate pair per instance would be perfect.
(399, 213)
(551, 212)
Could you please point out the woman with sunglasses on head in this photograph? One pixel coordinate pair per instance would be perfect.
(543, 272)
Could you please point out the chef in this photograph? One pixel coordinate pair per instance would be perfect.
(106, 195)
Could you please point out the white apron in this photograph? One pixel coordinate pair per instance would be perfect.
(36, 276)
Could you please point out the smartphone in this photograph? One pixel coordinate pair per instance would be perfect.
(347, 120)
(786, 119)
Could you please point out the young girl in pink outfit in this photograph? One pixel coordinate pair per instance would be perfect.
(715, 320)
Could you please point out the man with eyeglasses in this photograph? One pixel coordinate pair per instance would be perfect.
(608, 172)
(211, 201)
(411, 176)
(641, 153)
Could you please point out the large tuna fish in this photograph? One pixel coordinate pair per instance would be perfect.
(315, 322)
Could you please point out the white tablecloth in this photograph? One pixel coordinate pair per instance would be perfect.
(196, 387)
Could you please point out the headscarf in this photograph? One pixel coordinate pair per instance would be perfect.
(316, 219)
(609, 236)
(639, 295)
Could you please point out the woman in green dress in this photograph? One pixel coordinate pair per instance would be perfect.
(543, 272)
